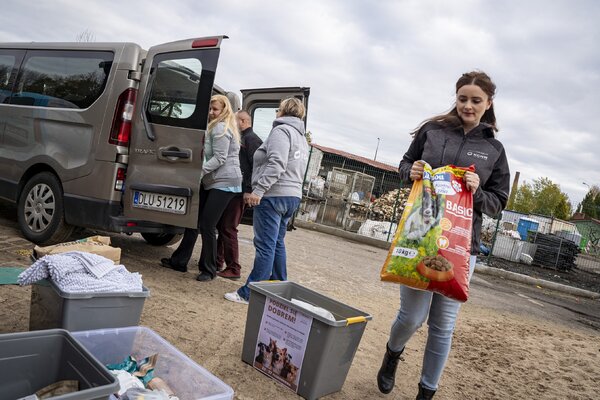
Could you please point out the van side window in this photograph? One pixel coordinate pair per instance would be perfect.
(64, 79)
(175, 88)
(7, 63)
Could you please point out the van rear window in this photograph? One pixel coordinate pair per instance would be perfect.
(64, 79)
(175, 89)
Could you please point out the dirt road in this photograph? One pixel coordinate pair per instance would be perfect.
(511, 341)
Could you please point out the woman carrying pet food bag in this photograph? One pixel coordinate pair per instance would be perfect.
(462, 137)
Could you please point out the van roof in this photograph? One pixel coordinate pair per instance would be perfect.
(68, 45)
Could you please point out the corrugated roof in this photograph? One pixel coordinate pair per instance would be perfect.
(354, 157)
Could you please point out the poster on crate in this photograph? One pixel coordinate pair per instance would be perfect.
(281, 342)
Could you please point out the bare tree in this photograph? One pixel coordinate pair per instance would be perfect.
(85, 36)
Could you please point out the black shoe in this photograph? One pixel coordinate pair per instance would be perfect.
(425, 394)
(204, 277)
(166, 262)
(387, 373)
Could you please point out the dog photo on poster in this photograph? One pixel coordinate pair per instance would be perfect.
(282, 342)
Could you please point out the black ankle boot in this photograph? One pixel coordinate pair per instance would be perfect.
(387, 373)
(425, 394)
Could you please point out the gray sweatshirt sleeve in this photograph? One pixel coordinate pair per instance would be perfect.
(220, 147)
(277, 147)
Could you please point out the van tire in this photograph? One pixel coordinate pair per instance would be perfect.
(161, 239)
(43, 192)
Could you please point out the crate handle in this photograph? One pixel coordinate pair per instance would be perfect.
(355, 320)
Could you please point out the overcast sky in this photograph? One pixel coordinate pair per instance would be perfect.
(379, 68)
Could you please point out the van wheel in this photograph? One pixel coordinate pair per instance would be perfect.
(161, 239)
(40, 210)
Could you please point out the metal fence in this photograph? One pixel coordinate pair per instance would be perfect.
(352, 194)
(540, 240)
(368, 198)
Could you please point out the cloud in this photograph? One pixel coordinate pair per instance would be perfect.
(378, 69)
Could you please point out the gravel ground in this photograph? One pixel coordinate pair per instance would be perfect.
(576, 277)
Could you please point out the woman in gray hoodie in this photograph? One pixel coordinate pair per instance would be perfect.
(277, 177)
(221, 181)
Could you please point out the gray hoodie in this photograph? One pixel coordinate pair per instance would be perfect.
(280, 162)
(222, 166)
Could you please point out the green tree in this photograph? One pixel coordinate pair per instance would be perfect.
(524, 199)
(590, 205)
(542, 197)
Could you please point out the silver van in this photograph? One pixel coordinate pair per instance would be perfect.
(110, 136)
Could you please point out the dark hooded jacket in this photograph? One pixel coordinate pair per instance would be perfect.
(248, 144)
(440, 145)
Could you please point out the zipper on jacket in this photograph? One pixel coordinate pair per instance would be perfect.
(443, 152)
(464, 139)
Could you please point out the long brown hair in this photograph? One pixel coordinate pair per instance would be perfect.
(451, 118)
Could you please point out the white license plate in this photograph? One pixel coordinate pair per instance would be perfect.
(160, 202)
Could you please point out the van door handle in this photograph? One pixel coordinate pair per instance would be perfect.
(176, 153)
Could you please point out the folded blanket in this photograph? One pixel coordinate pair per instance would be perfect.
(80, 272)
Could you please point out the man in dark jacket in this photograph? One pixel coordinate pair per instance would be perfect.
(227, 244)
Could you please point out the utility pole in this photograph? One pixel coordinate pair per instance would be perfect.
(377, 148)
(513, 191)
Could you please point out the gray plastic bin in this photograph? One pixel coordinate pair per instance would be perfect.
(30, 361)
(331, 345)
(53, 308)
(188, 380)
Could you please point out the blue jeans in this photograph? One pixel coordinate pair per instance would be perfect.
(415, 306)
(270, 223)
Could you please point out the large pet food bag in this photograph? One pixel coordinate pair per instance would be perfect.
(432, 245)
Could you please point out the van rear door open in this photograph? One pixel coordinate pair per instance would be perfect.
(262, 104)
(169, 124)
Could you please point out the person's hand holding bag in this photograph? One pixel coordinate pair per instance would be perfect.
(471, 181)
(416, 171)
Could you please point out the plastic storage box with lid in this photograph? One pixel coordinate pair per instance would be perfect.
(188, 380)
(30, 361)
(331, 345)
(53, 308)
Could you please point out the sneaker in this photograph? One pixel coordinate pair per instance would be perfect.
(228, 273)
(235, 297)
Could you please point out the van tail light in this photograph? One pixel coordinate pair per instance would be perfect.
(200, 43)
(120, 179)
(120, 131)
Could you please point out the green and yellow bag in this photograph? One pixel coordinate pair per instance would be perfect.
(432, 245)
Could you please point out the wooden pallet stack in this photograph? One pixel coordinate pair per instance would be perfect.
(554, 251)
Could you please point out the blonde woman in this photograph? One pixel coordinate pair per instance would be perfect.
(277, 176)
(221, 181)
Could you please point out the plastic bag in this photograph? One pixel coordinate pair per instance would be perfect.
(432, 245)
(317, 310)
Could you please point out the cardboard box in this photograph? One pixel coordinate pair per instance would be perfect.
(99, 245)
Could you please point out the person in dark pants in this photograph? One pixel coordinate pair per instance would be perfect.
(227, 243)
(221, 182)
